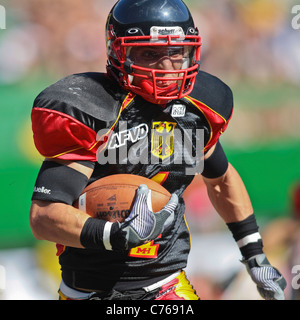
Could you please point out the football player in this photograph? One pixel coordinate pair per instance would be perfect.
(153, 80)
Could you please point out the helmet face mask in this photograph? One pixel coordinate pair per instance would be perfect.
(160, 66)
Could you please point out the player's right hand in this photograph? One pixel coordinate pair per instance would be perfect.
(143, 225)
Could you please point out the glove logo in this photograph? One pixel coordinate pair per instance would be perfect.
(162, 142)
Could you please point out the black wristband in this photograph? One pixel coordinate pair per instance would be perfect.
(102, 235)
(91, 236)
(118, 238)
(246, 234)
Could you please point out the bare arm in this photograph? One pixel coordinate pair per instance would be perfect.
(228, 195)
(59, 222)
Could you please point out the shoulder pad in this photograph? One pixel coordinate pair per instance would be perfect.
(214, 93)
(90, 98)
(67, 115)
(214, 99)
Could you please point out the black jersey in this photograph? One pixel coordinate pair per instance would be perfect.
(89, 117)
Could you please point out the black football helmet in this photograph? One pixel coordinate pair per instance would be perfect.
(154, 29)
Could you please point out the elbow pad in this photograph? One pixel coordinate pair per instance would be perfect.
(217, 164)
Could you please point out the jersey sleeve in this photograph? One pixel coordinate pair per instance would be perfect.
(215, 101)
(58, 135)
(67, 116)
(218, 125)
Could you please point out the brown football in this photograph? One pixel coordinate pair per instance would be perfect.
(111, 198)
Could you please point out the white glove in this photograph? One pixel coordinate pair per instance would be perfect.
(143, 225)
(270, 282)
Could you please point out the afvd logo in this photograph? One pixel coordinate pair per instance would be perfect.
(2, 18)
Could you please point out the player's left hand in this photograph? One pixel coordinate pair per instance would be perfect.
(142, 224)
(270, 282)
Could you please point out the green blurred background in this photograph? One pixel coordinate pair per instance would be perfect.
(249, 44)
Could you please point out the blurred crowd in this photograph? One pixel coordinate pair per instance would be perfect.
(249, 39)
(241, 38)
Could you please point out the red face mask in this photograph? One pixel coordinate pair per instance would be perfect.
(160, 68)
